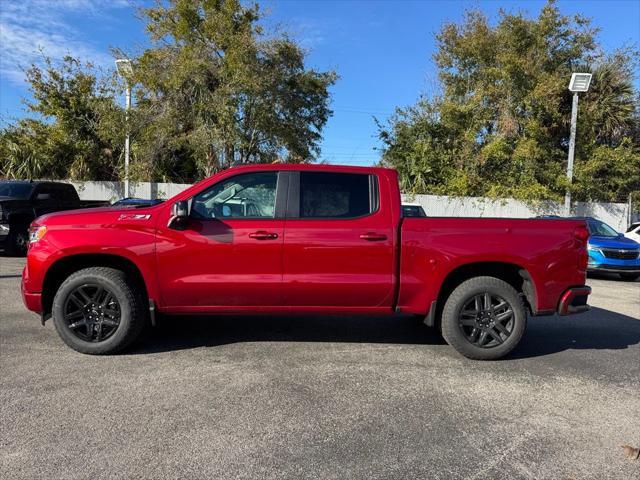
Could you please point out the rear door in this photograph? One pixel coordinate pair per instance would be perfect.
(339, 240)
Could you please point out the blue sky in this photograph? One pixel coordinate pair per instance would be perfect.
(381, 49)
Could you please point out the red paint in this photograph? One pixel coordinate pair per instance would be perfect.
(371, 264)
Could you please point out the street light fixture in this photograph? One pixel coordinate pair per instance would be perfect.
(125, 70)
(579, 83)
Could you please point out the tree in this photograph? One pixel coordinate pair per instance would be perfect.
(214, 91)
(500, 126)
(211, 90)
(77, 133)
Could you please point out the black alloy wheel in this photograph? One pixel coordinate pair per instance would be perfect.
(18, 241)
(92, 312)
(486, 320)
(99, 310)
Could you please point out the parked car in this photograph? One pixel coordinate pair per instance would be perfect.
(413, 210)
(633, 232)
(317, 239)
(136, 202)
(610, 251)
(23, 201)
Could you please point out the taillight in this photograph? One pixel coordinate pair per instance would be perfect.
(581, 233)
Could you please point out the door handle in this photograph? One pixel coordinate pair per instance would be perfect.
(373, 237)
(262, 235)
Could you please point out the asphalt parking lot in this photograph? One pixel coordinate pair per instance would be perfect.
(322, 397)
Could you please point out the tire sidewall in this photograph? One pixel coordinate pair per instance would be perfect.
(112, 343)
(460, 296)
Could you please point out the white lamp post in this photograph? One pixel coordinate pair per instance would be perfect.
(579, 83)
(125, 70)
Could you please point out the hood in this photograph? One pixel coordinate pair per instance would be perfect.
(613, 242)
(91, 216)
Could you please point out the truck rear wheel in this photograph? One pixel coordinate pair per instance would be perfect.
(98, 311)
(483, 318)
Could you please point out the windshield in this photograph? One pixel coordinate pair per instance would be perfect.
(601, 229)
(15, 189)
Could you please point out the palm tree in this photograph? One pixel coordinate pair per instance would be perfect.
(611, 103)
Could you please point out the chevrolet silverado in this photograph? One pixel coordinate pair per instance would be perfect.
(287, 239)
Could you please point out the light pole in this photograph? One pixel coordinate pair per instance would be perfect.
(125, 70)
(579, 83)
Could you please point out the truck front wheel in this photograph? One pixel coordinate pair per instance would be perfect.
(98, 311)
(18, 240)
(483, 318)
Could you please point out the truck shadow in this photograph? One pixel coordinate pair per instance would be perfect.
(594, 330)
(597, 329)
(184, 332)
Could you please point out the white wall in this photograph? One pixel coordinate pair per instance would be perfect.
(615, 214)
(110, 191)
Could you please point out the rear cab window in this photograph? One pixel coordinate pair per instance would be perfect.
(325, 195)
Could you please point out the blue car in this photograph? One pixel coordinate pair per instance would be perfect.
(610, 251)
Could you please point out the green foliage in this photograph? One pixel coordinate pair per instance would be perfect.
(501, 124)
(214, 91)
(78, 132)
(211, 91)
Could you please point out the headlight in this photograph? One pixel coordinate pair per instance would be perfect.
(591, 248)
(36, 233)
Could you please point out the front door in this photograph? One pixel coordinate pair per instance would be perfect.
(230, 253)
(339, 242)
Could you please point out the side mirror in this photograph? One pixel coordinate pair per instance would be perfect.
(43, 196)
(179, 215)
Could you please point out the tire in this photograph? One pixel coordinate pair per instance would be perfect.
(461, 327)
(629, 277)
(18, 240)
(98, 324)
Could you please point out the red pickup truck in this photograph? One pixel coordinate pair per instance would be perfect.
(298, 239)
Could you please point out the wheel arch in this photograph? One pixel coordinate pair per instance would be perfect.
(515, 275)
(62, 268)
(20, 217)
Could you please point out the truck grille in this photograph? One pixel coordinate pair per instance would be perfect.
(620, 254)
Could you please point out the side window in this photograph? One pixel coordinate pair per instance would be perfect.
(68, 193)
(251, 195)
(335, 195)
(45, 189)
(58, 192)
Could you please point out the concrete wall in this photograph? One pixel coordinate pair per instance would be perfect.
(615, 214)
(110, 191)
